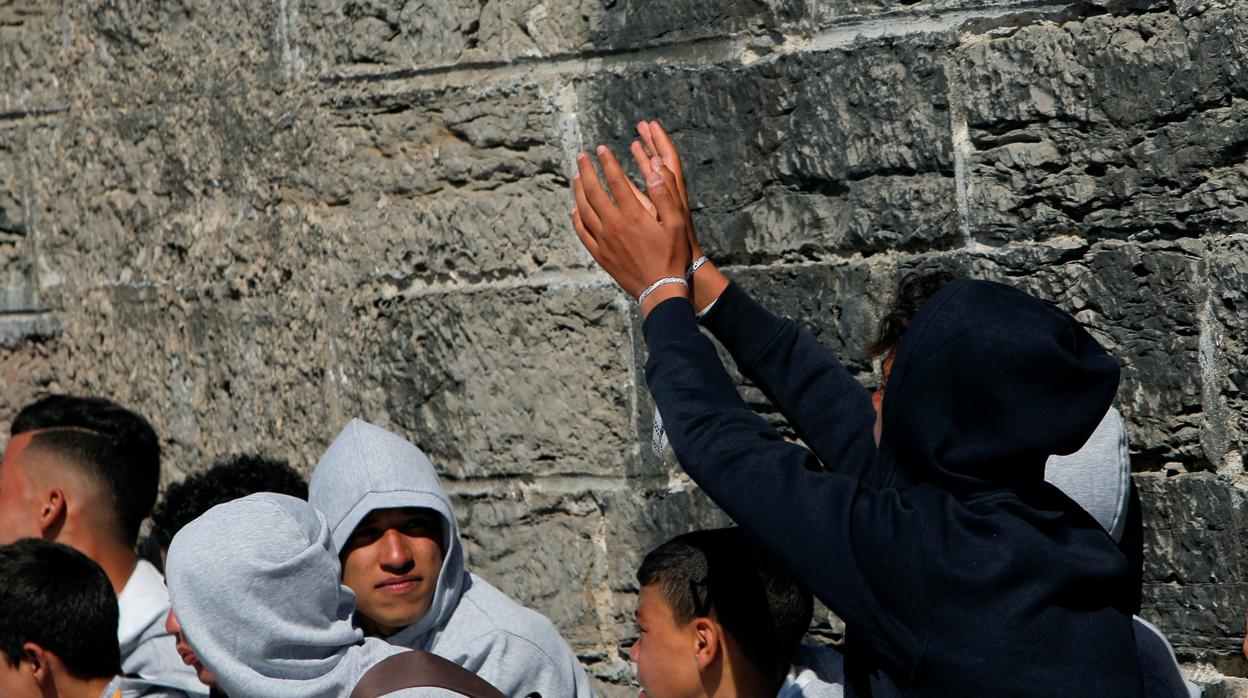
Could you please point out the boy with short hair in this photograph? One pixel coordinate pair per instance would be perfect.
(717, 618)
(58, 637)
(396, 535)
(84, 471)
(255, 585)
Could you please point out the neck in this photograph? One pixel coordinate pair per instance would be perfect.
(117, 560)
(82, 688)
(737, 678)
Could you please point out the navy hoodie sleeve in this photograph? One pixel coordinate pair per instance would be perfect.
(856, 548)
(830, 411)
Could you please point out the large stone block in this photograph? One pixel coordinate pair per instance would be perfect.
(215, 375)
(1141, 303)
(543, 550)
(825, 152)
(29, 370)
(167, 196)
(523, 381)
(130, 52)
(31, 58)
(642, 518)
(18, 216)
(388, 36)
(31, 55)
(1224, 347)
(549, 550)
(1114, 126)
(438, 185)
(1196, 561)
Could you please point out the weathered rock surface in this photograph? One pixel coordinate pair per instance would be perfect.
(829, 152)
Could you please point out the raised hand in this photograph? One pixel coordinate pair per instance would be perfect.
(655, 143)
(654, 147)
(633, 245)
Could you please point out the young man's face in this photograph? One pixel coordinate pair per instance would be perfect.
(391, 562)
(188, 655)
(16, 494)
(664, 651)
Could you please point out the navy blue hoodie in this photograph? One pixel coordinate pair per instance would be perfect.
(956, 568)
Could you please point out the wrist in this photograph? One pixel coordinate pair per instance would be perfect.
(706, 285)
(660, 294)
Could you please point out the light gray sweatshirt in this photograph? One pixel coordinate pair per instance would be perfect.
(1098, 476)
(255, 586)
(469, 621)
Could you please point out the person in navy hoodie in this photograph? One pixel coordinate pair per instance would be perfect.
(957, 569)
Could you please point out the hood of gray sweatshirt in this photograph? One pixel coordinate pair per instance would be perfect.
(1098, 476)
(255, 586)
(469, 621)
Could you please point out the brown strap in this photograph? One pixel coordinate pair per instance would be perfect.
(417, 669)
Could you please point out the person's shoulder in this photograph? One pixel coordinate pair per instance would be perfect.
(483, 600)
(487, 616)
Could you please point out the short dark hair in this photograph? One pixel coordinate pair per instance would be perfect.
(112, 444)
(228, 480)
(58, 598)
(721, 573)
(913, 291)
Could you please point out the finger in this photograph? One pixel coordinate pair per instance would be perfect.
(618, 182)
(663, 145)
(647, 137)
(666, 149)
(661, 186)
(641, 157)
(591, 219)
(642, 199)
(596, 197)
(587, 238)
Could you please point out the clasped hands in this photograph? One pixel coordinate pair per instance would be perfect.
(637, 238)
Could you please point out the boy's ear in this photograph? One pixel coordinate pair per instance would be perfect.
(708, 638)
(37, 661)
(52, 510)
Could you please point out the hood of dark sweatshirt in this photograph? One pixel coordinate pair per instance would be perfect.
(988, 382)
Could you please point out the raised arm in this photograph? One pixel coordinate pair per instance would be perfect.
(848, 543)
(830, 411)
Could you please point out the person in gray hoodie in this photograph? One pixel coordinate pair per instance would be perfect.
(254, 584)
(398, 541)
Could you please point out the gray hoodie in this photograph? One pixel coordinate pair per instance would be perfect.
(469, 621)
(1098, 476)
(254, 583)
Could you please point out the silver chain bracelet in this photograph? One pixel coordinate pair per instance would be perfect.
(697, 264)
(662, 282)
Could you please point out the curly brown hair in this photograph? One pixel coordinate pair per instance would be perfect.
(913, 291)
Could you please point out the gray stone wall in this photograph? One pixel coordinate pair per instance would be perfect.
(255, 220)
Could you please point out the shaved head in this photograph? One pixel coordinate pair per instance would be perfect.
(34, 465)
(105, 456)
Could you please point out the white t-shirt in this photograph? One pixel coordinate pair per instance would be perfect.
(802, 683)
(147, 650)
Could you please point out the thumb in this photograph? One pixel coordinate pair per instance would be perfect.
(661, 186)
